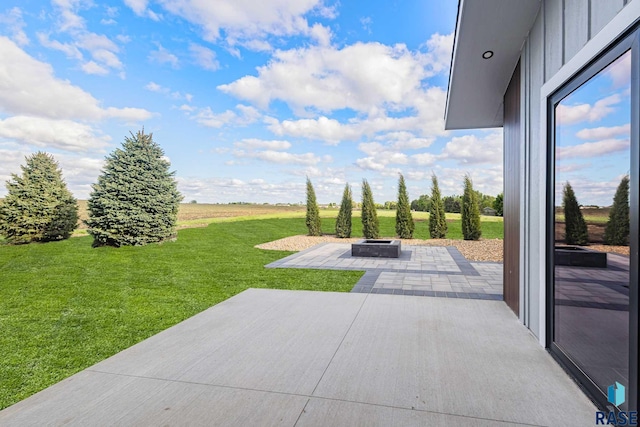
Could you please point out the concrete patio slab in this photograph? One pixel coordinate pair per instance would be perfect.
(273, 357)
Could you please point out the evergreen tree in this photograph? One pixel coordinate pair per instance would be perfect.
(471, 229)
(437, 220)
(343, 222)
(498, 204)
(313, 214)
(38, 206)
(576, 232)
(404, 220)
(135, 200)
(370, 224)
(616, 231)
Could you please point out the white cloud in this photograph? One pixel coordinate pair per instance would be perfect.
(163, 56)
(363, 77)
(12, 24)
(30, 88)
(470, 149)
(224, 190)
(572, 114)
(245, 116)
(103, 51)
(60, 134)
(138, 6)
(403, 140)
(592, 149)
(246, 21)
(155, 87)
(204, 57)
(70, 50)
(427, 122)
(283, 157)
(604, 132)
(379, 156)
(424, 159)
(252, 144)
(93, 68)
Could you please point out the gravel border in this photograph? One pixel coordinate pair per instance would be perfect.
(480, 250)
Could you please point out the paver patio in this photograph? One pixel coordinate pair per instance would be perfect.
(439, 271)
(301, 358)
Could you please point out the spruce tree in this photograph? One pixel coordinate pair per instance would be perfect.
(343, 222)
(135, 200)
(471, 229)
(404, 220)
(576, 232)
(616, 231)
(370, 225)
(38, 206)
(313, 213)
(437, 220)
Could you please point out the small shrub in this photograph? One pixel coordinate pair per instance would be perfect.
(38, 206)
(616, 231)
(313, 214)
(471, 229)
(576, 232)
(437, 220)
(404, 220)
(370, 224)
(343, 222)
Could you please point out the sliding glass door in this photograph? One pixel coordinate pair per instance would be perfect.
(593, 183)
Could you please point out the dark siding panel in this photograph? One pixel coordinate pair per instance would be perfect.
(512, 179)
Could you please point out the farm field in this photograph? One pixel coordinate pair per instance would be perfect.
(200, 215)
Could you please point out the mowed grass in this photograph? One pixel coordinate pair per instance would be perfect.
(65, 306)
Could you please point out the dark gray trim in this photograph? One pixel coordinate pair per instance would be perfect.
(627, 41)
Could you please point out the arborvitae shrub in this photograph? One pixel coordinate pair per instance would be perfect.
(498, 204)
(38, 206)
(471, 229)
(370, 225)
(135, 200)
(616, 231)
(576, 232)
(343, 222)
(313, 214)
(404, 220)
(437, 220)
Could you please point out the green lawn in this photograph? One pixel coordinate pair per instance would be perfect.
(65, 306)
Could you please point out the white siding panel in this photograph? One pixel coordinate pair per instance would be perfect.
(535, 268)
(576, 26)
(603, 11)
(554, 48)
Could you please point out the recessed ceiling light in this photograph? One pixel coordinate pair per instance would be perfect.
(488, 54)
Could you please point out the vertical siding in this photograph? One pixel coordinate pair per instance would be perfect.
(561, 29)
(603, 11)
(554, 44)
(576, 26)
(512, 180)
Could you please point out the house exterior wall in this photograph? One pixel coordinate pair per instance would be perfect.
(564, 37)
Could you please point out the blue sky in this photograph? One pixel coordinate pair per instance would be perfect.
(246, 98)
(593, 134)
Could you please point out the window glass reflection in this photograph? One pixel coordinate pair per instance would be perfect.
(591, 273)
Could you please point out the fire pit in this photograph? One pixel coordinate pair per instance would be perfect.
(376, 248)
(576, 256)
